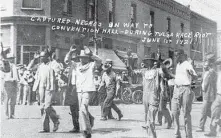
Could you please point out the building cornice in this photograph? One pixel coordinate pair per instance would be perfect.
(170, 6)
(203, 19)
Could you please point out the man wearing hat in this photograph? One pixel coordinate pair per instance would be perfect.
(151, 93)
(9, 81)
(111, 84)
(209, 91)
(85, 87)
(71, 94)
(216, 106)
(182, 95)
(163, 110)
(44, 83)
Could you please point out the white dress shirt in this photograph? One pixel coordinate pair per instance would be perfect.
(182, 76)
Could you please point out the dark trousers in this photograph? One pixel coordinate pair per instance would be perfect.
(102, 97)
(108, 104)
(163, 111)
(71, 99)
(206, 111)
(75, 116)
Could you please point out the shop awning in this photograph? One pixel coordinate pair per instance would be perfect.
(110, 54)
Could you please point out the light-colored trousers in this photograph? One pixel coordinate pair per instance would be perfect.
(182, 98)
(84, 115)
(10, 91)
(26, 95)
(46, 108)
(150, 114)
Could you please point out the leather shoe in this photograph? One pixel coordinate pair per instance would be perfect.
(111, 117)
(56, 126)
(200, 130)
(177, 136)
(210, 134)
(44, 131)
(103, 119)
(86, 134)
(119, 117)
(12, 117)
(74, 130)
(144, 127)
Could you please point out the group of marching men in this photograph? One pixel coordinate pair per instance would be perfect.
(81, 85)
(80, 82)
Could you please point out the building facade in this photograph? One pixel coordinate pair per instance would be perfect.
(25, 30)
(208, 39)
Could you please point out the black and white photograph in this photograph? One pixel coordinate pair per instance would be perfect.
(110, 68)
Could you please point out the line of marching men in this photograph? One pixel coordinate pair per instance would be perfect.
(81, 86)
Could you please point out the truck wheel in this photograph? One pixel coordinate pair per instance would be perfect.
(126, 96)
(137, 97)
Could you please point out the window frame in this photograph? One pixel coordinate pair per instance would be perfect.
(111, 12)
(31, 8)
(90, 9)
(152, 22)
(133, 19)
(182, 31)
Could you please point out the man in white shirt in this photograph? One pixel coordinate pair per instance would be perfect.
(216, 106)
(85, 86)
(182, 95)
(9, 81)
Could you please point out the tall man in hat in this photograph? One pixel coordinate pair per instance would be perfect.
(209, 91)
(71, 95)
(9, 83)
(85, 86)
(112, 85)
(216, 106)
(44, 82)
(182, 95)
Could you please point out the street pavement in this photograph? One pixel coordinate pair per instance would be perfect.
(28, 123)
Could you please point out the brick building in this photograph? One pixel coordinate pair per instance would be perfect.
(202, 25)
(25, 36)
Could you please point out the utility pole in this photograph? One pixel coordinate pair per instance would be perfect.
(203, 48)
(95, 27)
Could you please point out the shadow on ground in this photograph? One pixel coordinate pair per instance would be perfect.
(109, 130)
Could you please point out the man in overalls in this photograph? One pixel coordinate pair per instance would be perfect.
(151, 94)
